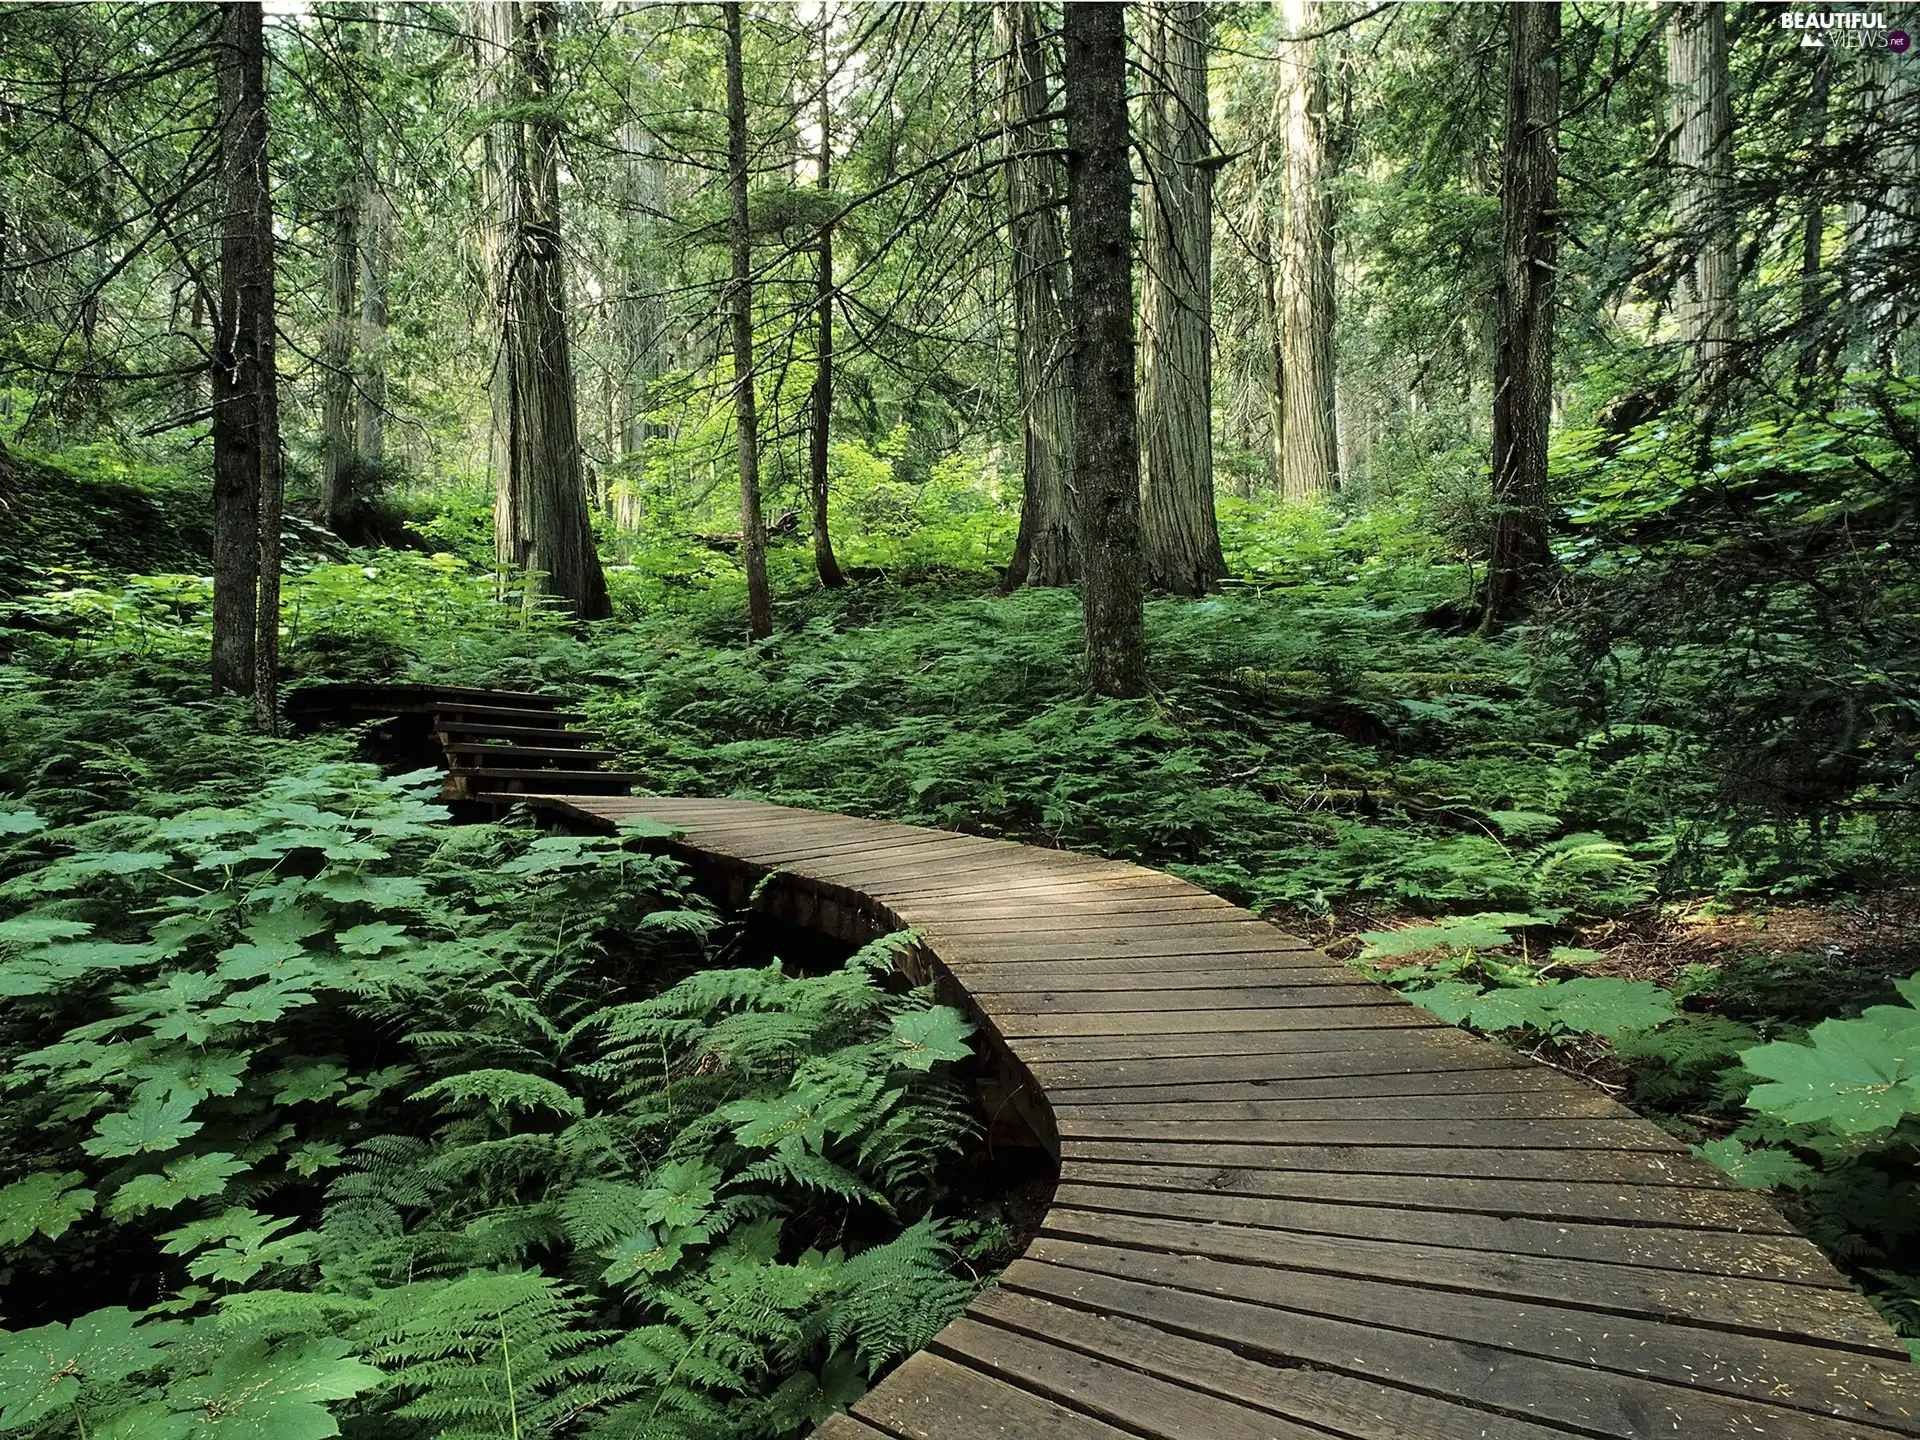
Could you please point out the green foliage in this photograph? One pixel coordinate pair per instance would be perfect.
(1838, 1126)
(1465, 986)
(342, 1084)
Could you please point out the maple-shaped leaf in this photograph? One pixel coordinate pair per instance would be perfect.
(296, 1083)
(251, 959)
(151, 1125)
(648, 1251)
(259, 1392)
(680, 1193)
(1606, 1005)
(926, 1037)
(42, 1204)
(1858, 1076)
(1761, 1169)
(194, 1178)
(372, 939)
(38, 929)
(42, 1370)
(20, 822)
(197, 1076)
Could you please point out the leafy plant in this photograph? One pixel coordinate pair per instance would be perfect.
(344, 1086)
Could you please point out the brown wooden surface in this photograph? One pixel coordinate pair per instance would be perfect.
(1291, 1205)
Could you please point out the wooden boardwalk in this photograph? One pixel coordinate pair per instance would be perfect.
(1292, 1205)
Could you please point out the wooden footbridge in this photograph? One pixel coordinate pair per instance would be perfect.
(1290, 1205)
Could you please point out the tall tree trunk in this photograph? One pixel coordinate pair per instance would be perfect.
(641, 317)
(1813, 225)
(753, 524)
(1044, 553)
(246, 419)
(820, 427)
(1701, 117)
(1180, 536)
(1523, 354)
(376, 258)
(495, 25)
(1887, 226)
(377, 222)
(1308, 458)
(547, 531)
(1107, 470)
(337, 451)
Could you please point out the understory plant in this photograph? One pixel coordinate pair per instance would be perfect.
(326, 1115)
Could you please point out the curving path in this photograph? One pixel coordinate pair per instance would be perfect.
(1292, 1205)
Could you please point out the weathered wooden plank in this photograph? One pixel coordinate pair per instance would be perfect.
(1610, 1134)
(931, 1398)
(1510, 1085)
(1216, 1024)
(1010, 978)
(1644, 1167)
(1163, 998)
(1433, 1050)
(1617, 1284)
(1182, 940)
(845, 1427)
(1783, 1258)
(1581, 1397)
(1144, 1404)
(1821, 1380)
(1345, 1029)
(1633, 1201)
(1335, 1403)
(1258, 1114)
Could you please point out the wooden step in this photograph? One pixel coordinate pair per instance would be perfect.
(445, 715)
(517, 734)
(554, 782)
(576, 759)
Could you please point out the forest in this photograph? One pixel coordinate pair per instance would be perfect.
(1443, 477)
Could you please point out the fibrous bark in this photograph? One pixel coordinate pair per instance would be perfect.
(1308, 455)
(1523, 294)
(1107, 471)
(1180, 537)
(541, 522)
(753, 524)
(820, 422)
(246, 418)
(1044, 550)
(338, 461)
(1701, 118)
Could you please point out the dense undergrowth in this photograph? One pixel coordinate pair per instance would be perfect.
(1717, 708)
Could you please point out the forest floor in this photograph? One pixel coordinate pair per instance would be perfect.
(1318, 745)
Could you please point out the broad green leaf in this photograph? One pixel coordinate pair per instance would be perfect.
(1852, 1076)
(372, 939)
(43, 1370)
(38, 929)
(680, 1193)
(42, 1204)
(150, 1126)
(20, 822)
(1604, 1005)
(259, 1393)
(926, 1037)
(308, 1082)
(198, 1076)
(1762, 1169)
(195, 1178)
